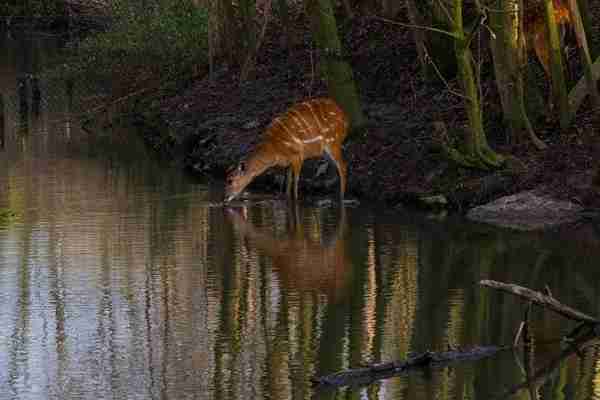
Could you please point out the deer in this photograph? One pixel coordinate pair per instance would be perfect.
(308, 129)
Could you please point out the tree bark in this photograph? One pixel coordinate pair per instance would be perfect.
(391, 8)
(584, 12)
(2, 122)
(584, 54)
(229, 31)
(559, 86)
(284, 16)
(247, 31)
(477, 152)
(508, 54)
(418, 34)
(336, 69)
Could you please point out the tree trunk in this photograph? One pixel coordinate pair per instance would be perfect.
(348, 9)
(559, 86)
(508, 55)
(284, 16)
(229, 32)
(337, 70)
(586, 16)
(416, 20)
(391, 8)
(214, 43)
(441, 46)
(584, 54)
(477, 152)
(247, 31)
(2, 122)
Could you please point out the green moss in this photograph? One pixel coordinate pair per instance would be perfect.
(7, 216)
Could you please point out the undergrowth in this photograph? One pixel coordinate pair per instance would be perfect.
(144, 47)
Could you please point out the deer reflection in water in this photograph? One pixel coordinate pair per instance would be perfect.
(302, 263)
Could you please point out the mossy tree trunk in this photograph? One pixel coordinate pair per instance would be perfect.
(508, 51)
(559, 86)
(337, 70)
(476, 151)
(584, 53)
(586, 17)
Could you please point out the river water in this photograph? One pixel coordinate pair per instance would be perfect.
(122, 278)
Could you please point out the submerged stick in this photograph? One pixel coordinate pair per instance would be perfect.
(540, 299)
(373, 372)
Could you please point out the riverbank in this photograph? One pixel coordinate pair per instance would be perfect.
(211, 125)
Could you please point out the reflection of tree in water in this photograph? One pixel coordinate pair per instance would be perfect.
(397, 252)
(2, 122)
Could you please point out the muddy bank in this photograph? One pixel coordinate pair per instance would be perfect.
(212, 124)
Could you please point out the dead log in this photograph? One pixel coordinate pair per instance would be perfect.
(373, 372)
(543, 300)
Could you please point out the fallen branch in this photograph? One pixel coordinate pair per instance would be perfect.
(370, 373)
(543, 300)
(538, 378)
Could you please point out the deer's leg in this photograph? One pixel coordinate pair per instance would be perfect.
(289, 180)
(335, 153)
(296, 167)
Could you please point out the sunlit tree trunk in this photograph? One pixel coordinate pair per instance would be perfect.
(476, 151)
(508, 54)
(559, 86)
(337, 70)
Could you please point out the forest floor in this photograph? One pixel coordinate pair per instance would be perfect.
(216, 122)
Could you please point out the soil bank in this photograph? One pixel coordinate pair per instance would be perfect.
(216, 121)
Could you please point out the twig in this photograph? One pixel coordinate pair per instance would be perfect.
(522, 325)
(541, 300)
(426, 28)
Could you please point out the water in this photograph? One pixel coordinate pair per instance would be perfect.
(121, 278)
